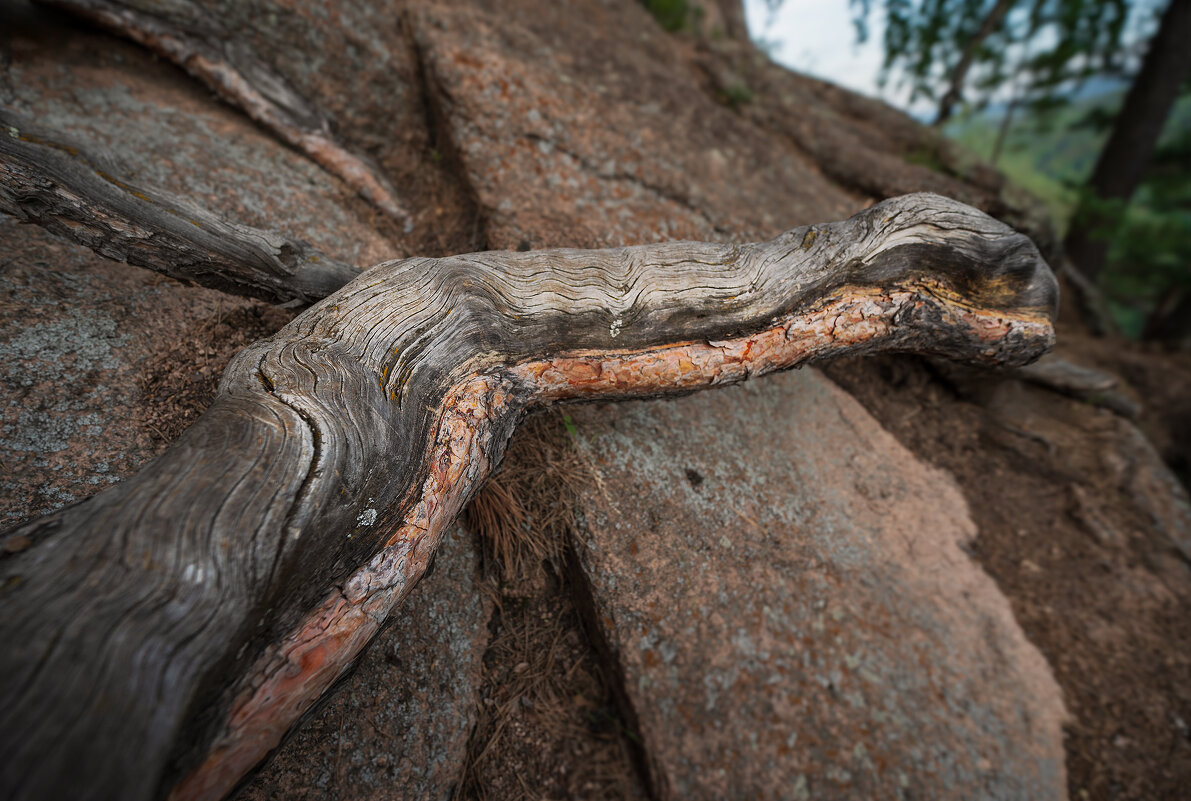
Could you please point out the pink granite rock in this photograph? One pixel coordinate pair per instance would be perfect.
(78, 335)
(575, 128)
(397, 727)
(787, 593)
(159, 128)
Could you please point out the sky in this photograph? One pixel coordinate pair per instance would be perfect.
(818, 37)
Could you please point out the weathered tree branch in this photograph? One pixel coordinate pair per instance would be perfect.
(51, 181)
(193, 37)
(162, 636)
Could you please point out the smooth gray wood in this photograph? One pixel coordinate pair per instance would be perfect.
(80, 195)
(162, 636)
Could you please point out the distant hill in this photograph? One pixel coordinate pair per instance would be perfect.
(1052, 153)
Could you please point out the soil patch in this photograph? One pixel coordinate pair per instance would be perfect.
(1093, 579)
(179, 381)
(1158, 375)
(548, 725)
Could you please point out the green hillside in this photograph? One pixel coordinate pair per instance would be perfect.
(1052, 154)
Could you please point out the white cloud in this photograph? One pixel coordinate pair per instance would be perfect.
(818, 37)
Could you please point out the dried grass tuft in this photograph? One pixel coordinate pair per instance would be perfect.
(525, 511)
(546, 724)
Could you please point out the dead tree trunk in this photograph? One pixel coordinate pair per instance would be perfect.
(1135, 132)
(161, 637)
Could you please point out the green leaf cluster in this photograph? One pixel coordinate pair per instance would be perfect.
(1043, 48)
(674, 15)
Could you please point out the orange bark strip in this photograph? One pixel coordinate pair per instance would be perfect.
(859, 316)
(290, 677)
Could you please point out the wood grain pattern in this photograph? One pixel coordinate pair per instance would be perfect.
(163, 635)
(47, 179)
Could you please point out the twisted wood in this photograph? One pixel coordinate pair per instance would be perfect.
(83, 196)
(162, 636)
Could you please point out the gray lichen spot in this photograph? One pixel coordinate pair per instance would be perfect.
(86, 339)
(69, 352)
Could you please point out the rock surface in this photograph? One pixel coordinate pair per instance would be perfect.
(787, 592)
(1081, 526)
(79, 338)
(161, 129)
(573, 133)
(397, 728)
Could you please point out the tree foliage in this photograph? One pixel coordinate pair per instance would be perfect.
(1030, 58)
(1148, 259)
(1040, 49)
(672, 15)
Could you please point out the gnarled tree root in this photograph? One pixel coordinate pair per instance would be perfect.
(162, 636)
(195, 39)
(47, 179)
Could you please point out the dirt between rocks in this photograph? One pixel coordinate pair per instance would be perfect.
(1092, 576)
(549, 725)
(1091, 573)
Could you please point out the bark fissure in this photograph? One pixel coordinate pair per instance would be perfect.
(290, 521)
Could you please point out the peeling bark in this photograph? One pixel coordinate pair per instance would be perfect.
(162, 636)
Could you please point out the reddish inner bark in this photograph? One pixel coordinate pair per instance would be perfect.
(290, 676)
